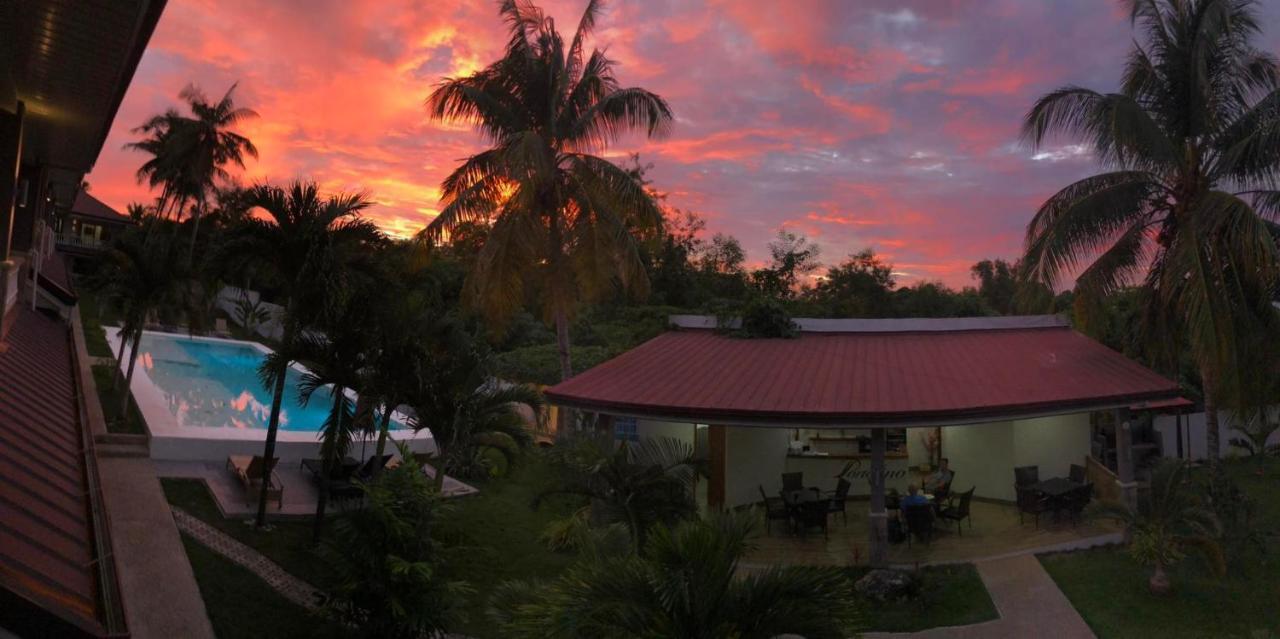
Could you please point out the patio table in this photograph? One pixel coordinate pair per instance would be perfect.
(1056, 487)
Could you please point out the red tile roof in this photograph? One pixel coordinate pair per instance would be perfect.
(876, 376)
(47, 536)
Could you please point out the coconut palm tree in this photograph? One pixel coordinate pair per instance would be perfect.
(306, 245)
(189, 153)
(1171, 518)
(140, 278)
(1191, 143)
(562, 218)
(685, 584)
(467, 410)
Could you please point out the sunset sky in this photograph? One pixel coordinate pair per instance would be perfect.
(873, 123)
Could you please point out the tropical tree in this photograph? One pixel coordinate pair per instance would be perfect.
(140, 278)
(306, 244)
(1191, 143)
(386, 563)
(642, 485)
(188, 153)
(1171, 518)
(686, 584)
(468, 411)
(335, 361)
(562, 218)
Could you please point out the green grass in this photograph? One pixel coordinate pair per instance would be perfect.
(1109, 588)
(494, 538)
(950, 596)
(95, 339)
(288, 543)
(104, 382)
(242, 605)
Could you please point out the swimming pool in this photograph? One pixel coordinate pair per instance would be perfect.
(214, 384)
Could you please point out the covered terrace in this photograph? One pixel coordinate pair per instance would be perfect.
(877, 402)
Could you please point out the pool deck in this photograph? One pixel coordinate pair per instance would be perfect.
(300, 492)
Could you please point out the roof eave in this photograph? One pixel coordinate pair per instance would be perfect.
(914, 419)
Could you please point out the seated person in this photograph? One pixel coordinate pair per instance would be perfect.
(939, 479)
(914, 497)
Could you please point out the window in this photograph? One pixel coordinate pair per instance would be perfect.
(624, 428)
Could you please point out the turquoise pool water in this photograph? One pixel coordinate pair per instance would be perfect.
(215, 385)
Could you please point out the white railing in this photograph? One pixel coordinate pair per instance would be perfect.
(71, 239)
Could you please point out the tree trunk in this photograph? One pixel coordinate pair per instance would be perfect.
(382, 431)
(124, 341)
(1159, 581)
(269, 450)
(1212, 432)
(329, 450)
(125, 393)
(566, 365)
(438, 480)
(195, 228)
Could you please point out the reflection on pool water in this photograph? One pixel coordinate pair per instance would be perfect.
(215, 384)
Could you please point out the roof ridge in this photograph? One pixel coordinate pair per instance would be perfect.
(892, 325)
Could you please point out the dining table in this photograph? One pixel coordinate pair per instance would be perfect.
(1056, 486)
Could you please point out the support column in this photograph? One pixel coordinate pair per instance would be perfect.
(879, 523)
(1124, 460)
(717, 458)
(10, 164)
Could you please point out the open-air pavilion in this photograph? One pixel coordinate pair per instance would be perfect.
(871, 400)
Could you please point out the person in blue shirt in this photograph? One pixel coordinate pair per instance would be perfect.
(914, 497)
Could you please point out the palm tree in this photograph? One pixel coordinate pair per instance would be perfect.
(637, 484)
(336, 363)
(1192, 147)
(190, 153)
(1170, 519)
(686, 584)
(305, 244)
(467, 410)
(562, 217)
(141, 279)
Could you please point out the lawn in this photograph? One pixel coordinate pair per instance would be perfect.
(104, 382)
(1110, 589)
(288, 543)
(242, 605)
(950, 596)
(494, 537)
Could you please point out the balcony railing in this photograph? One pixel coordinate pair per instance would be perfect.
(71, 239)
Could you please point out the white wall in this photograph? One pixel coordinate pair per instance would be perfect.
(1052, 443)
(682, 431)
(754, 456)
(982, 456)
(1194, 441)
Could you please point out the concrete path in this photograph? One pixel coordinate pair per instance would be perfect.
(290, 587)
(161, 598)
(1029, 602)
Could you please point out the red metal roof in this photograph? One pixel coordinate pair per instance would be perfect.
(88, 206)
(47, 539)
(880, 377)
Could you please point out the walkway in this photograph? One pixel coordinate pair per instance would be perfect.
(1029, 602)
(290, 587)
(161, 597)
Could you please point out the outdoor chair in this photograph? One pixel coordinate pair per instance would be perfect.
(1031, 502)
(1026, 475)
(792, 481)
(919, 522)
(342, 472)
(1076, 501)
(836, 503)
(960, 512)
(251, 472)
(348, 489)
(944, 491)
(1076, 474)
(774, 509)
(812, 514)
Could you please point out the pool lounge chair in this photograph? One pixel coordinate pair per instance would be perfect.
(250, 471)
